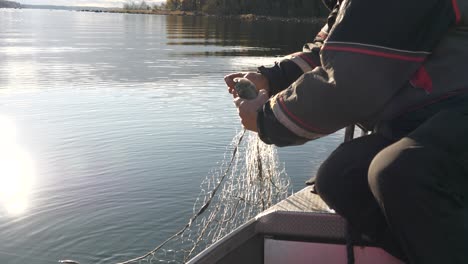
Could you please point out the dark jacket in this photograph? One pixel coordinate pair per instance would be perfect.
(373, 61)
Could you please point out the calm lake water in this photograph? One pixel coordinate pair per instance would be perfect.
(113, 121)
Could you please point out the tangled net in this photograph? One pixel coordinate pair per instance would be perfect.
(247, 182)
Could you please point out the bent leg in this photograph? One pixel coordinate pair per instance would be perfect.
(342, 183)
(420, 183)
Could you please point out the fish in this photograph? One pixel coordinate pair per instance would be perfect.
(245, 88)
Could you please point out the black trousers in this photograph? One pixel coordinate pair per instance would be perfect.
(410, 196)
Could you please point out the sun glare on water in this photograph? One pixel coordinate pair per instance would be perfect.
(16, 170)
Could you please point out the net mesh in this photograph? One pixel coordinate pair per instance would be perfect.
(248, 181)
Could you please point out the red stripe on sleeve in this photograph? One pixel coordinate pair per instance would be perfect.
(456, 10)
(297, 119)
(308, 60)
(376, 53)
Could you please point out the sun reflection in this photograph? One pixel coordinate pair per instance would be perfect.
(16, 170)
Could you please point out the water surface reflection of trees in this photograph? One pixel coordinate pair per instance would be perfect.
(239, 37)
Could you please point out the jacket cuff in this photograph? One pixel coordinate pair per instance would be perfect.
(275, 79)
(271, 131)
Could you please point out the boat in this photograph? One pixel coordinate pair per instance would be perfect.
(300, 229)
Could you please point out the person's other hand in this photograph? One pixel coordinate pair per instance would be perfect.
(260, 81)
(248, 109)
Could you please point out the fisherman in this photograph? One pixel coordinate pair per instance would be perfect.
(398, 69)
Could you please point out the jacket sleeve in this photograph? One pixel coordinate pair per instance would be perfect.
(367, 58)
(283, 73)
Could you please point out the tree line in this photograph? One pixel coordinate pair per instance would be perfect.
(9, 4)
(132, 5)
(285, 8)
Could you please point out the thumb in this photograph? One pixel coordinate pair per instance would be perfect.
(263, 95)
(238, 101)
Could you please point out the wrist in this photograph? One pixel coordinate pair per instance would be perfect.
(261, 128)
(269, 75)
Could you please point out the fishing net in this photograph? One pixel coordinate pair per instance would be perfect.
(248, 181)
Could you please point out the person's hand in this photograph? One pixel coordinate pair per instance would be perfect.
(248, 109)
(260, 81)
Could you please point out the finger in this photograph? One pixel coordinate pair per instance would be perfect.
(232, 91)
(251, 75)
(263, 93)
(229, 79)
(262, 97)
(238, 101)
(243, 124)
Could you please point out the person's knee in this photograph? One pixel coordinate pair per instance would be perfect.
(330, 182)
(327, 180)
(339, 173)
(344, 172)
(392, 172)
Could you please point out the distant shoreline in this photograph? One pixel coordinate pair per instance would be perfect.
(9, 4)
(245, 17)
